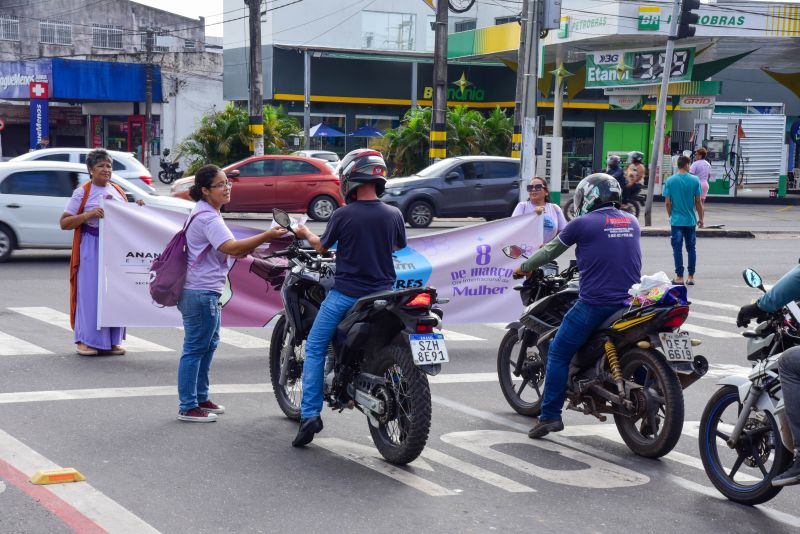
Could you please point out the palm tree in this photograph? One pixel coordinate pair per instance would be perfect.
(496, 133)
(407, 145)
(464, 128)
(278, 126)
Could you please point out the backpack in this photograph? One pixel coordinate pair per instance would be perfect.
(168, 272)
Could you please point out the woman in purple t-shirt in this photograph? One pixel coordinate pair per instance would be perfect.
(210, 246)
(539, 203)
(702, 169)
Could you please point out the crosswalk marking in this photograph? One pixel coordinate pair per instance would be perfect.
(13, 346)
(711, 332)
(241, 340)
(711, 317)
(450, 335)
(712, 304)
(61, 320)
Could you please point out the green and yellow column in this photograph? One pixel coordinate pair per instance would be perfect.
(438, 141)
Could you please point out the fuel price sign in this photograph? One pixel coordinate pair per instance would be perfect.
(636, 67)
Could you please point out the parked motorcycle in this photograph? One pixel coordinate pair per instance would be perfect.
(632, 206)
(169, 169)
(633, 367)
(379, 359)
(744, 440)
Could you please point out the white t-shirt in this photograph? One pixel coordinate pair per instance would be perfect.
(554, 220)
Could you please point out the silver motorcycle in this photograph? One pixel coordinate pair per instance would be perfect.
(744, 438)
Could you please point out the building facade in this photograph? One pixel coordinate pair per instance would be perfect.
(102, 47)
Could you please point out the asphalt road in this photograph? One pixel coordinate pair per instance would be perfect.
(113, 418)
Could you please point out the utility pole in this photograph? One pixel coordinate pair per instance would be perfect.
(148, 97)
(438, 136)
(307, 99)
(661, 111)
(516, 137)
(256, 80)
(529, 131)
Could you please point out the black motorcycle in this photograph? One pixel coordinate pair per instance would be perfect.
(378, 360)
(633, 206)
(169, 169)
(633, 367)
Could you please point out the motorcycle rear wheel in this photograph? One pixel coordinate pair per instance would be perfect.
(290, 394)
(402, 437)
(569, 210)
(748, 480)
(165, 177)
(513, 387)
(655, 433)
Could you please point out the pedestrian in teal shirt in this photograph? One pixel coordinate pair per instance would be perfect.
(683, 196)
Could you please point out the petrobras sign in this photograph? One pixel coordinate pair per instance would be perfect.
(721, 19)
(17, 76)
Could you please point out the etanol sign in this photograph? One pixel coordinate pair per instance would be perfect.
(636, 67)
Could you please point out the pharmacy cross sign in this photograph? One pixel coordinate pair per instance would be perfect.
(39, 90)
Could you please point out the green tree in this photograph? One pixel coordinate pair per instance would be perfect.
(278, 126)
(406, 147)
(497, 132)
(464, 131)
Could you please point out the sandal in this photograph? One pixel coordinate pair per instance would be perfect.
(676, 283)
(87, 351)
(117, 350)
(690, 282)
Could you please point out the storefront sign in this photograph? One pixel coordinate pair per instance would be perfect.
(97, 132)
(636, 67)
(649, 18)
(563, 29)
(706, 88)
(17, 76)
(718, 20)
(461, 90)
(697, 102)
(40, 129)
(625, 102)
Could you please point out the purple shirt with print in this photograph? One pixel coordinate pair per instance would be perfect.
(608, 253)
(208, 227)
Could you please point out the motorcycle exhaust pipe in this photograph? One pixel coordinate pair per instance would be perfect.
(699, 369)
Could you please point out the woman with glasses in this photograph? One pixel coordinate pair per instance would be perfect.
(539, 203)
(211, 250)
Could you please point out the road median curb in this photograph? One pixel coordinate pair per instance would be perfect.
(666, 232)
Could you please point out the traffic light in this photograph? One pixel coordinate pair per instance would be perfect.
(688, 18)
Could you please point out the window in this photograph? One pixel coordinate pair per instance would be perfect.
(290, 167)
(261, 167)
(40, 183)
(55, 32)
(473, 170)
(117, 166)
(503, 169)
(53, 157)
(9, 28)
(189, 44)
(505, 20)
(106, 36)
(465, 25)
(156, 31)
(387, 31)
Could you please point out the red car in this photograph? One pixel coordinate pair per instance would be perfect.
(291, 183)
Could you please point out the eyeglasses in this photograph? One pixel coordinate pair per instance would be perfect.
(536, 187)
(226, 185)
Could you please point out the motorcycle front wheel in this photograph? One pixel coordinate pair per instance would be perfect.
(570, 211)
(744, 473)
(524, 392)
(403, 429)
(656, 425)
(290, 394)
(165, 178)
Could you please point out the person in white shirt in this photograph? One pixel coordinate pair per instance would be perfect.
(539, 203)
(702, 169)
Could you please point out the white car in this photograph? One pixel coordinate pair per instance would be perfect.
(33, 195)
(327, 155)
(124, 164)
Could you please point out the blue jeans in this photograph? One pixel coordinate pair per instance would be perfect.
(333, 309)
(201, 313)
(679, 235)
(579, 323)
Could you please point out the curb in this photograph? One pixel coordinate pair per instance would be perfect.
(764, 201)
(735, 234)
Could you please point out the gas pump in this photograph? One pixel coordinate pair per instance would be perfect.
(724, 155)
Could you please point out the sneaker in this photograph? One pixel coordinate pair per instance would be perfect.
(544, 427)
(197, 415)
(789, 477)
(212, 407)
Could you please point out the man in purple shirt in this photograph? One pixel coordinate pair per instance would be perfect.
(610, 262)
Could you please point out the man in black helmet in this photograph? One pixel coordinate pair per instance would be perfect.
(610, 262)
(366, 233)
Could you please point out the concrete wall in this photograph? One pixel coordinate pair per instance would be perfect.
(132, 17)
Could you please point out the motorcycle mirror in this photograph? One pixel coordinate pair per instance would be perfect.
(282, 218)
(753, 279)
(512, 251)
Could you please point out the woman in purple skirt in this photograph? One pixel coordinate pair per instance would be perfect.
(83, 214)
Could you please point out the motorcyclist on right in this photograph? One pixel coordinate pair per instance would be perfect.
(634, 176)
(785, 291)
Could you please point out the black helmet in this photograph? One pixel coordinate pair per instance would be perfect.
(595, 191)
(636, 157)
(360, 167)
(613, 160)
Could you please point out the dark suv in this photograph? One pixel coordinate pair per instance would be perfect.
(466, 186)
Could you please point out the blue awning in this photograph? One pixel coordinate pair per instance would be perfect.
(105, 81)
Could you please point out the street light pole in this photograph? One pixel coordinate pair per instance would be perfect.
(148, 97)
(519, 94)
(256, 80)
(438, 135)
(661, 111)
